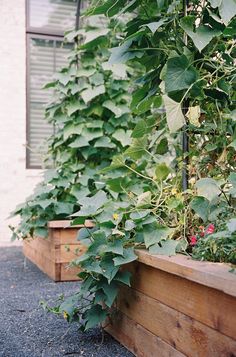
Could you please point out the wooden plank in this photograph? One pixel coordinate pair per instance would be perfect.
(215, 275)
(69, 273)
(209, 306)
(70, 252)
(45, 246)
(137, 339)
(177, 329)
(42, 262)
(69, 236)
(67, 224)
(64, 236)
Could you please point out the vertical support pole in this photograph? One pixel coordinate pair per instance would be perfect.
(77, 24)
(77, 20)
(185, 137)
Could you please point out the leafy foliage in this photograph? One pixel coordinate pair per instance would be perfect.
(184, 78)
(92, 122)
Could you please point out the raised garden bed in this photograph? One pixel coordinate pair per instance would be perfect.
(177, 307)
(52, 255)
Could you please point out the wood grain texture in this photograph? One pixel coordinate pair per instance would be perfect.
(215, 275)
(69, 273)
(67, 224)
(137, 339)
(42, 245)
(69, 252)
(183, 333)
(53, 254)
(209, 306)
(46, 265)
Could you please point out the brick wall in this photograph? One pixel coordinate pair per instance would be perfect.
(16, 182)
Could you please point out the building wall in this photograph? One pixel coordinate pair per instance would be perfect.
(16, 182)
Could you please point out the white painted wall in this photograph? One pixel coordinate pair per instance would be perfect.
(16, 182)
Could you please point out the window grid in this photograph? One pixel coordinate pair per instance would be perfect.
(36, 33)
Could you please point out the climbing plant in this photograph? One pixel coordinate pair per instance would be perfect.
(92, 122)
(186, 50)
(120, 162)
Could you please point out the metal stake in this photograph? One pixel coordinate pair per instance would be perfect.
(185, 137)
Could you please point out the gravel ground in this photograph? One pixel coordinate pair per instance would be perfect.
(26, 330)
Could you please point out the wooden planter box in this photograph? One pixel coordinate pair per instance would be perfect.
(52, 255)
(177, 307)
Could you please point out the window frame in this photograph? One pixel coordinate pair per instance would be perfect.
(29, 37)
(31, 33)
(36, 30)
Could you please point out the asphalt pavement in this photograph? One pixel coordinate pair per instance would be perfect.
(26, 330)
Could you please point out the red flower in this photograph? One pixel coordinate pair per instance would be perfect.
(193, 240)
(210, 229)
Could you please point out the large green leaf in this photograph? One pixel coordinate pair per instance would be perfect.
(232, 178)
(72, 107)
(79, 192)
(92, 35)
(115, 247)
(109, 104)
(167, 247)
(111, 291)
(96, 201)
(119, 70)
(43, 203)
(123, 277)
(98, 245)
(72, 129)
(179, 74)
(203, 34)
(128, 257)
(137, 148)
(85, 72)
(92, 92)
(162, 171)
(227, 9)
(94, 316)
(154, 233)
(104, 142)
(79, 142)
(139, 215)
(215, 3)
(123, 136)
(208, 188)
(200, 205)
(69, 305)
(41, 232)
(140, 129)
(91, 134)
(109, 270)
(63, 208)
(154, 26)
(121, 53)
(231, 225)
(109, 8)
(174, 115)
(144, 199)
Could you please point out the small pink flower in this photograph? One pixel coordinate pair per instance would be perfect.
(193, 240)
(210, 229)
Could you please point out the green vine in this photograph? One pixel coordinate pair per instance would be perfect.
(92, 122)
(141, 203)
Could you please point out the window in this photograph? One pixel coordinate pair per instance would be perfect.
(46, 22)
